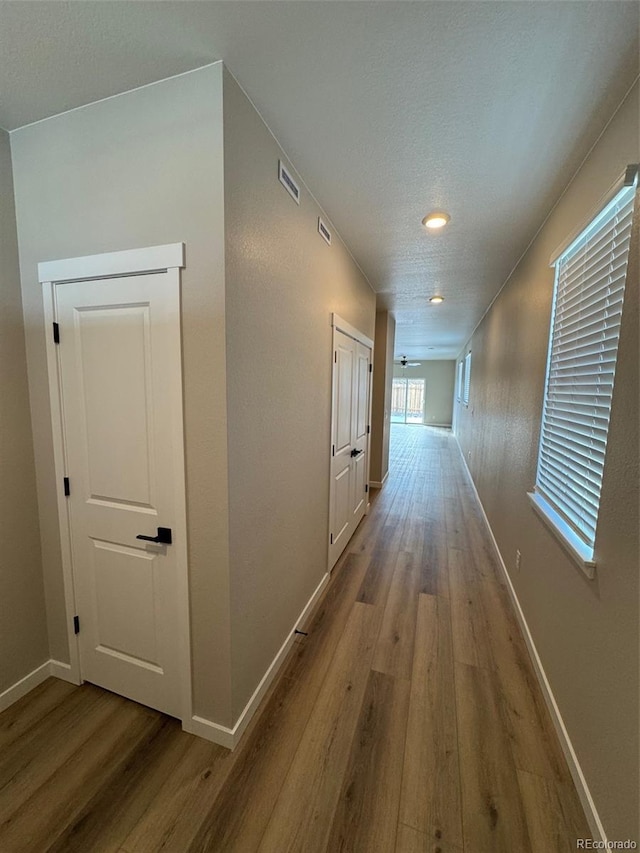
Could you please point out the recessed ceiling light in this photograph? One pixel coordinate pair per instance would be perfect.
(436, 219)
(436, 299)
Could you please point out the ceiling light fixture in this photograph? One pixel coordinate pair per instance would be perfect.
(436, 299)
(436, 219)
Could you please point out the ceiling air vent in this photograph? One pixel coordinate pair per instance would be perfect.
(288, 183)
(323, 231)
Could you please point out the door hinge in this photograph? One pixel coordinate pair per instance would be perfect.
(335, 357)
(370, 368)
(56, 333)
(366, 487)
(331, 539)
(76, 624)
(368, 429)
(67, 487)
(333, 450)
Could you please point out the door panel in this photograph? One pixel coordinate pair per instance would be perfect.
(125, 625)
(341, 504)
(360, 480)
(344, 365)
(117, 346)
(350, 440)
(362, 392)
(116, 414)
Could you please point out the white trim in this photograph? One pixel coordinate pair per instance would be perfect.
(213, 732)
(580, 552)
(588, 804)
(168, 258)
(24, 686)
(230, 737)
(338, 323)
(129, 262)
(29, 682)
(60, 466)
(379, 485)
(61, 670)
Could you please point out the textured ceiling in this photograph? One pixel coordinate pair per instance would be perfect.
(387, 109)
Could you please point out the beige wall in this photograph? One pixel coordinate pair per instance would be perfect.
(283, 283)
(141, 169)
(385, 337)
(440, 381)
(586, 632)
(23, 628)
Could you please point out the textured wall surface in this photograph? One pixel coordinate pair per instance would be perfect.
(586, 632)
(381, 407)
(23, 626)
(440, 379)
(141, 169)
(283, 283)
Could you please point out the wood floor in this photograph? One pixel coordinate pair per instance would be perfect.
(408, 720)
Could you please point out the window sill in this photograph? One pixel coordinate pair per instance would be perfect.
(580, 553)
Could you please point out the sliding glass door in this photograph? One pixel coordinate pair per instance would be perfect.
(407, 401)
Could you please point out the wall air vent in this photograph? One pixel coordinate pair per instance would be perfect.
(323, 231)
(284, 176)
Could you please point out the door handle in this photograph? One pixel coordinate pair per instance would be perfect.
(356, 452)
(163, 537)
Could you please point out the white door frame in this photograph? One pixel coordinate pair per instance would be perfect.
(338, 324)
(168, 259)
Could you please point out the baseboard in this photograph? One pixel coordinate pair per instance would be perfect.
(230, 737)
(210, 731)
(588, 804)
(380, 484)
(62, 670)
(24, 686)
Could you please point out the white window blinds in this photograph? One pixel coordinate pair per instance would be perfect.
(585, 327)
(467, 378)
(460, 379)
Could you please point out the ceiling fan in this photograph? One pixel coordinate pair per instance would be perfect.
(404, 362)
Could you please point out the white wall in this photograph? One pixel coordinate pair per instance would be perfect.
(586, 631)
(23, 630)
(141, 169)
(440, 381)
(283, 283)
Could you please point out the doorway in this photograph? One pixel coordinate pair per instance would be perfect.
(350, 429)
(115, 375)
(408, 398)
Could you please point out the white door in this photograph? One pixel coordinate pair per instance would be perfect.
(349, 440)
(119, 363)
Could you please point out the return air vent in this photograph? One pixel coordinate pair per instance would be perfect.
(323, 231)
(288, 183)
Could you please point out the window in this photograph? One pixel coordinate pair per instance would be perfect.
(467, 379)
(460, 382)
(407, 401)
(585, 327)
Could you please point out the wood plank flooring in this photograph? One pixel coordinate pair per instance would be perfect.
(409, 719)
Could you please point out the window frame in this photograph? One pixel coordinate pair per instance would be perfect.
(466, 386)
(580, 546)
(460, 380)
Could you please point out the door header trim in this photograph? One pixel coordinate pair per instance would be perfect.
(338, 323)
(128, 262)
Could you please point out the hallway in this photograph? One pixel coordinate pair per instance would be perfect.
(409, 718)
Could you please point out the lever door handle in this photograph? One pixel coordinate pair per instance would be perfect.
(356, 452)
(163, 537)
